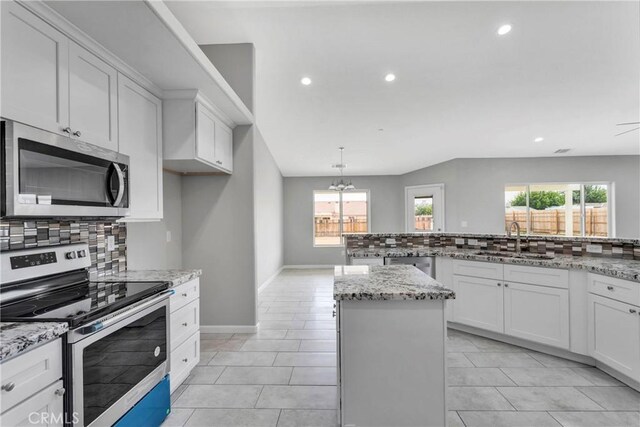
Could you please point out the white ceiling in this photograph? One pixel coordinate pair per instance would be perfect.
(568, 71)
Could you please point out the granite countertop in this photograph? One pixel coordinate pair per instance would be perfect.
(18, 337)
(627, 269)
(176, 277)
(388, 282)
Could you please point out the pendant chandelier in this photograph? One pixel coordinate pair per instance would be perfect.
(341, 184)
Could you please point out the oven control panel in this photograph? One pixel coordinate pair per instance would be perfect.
(27, 264)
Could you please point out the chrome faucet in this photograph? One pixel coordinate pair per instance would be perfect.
(518, 247)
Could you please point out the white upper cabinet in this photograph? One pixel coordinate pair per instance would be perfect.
(224, 147)
(53, 83)
(196, 137)
(35, 78)
(140, 137)
(205, 134)
(93, 94)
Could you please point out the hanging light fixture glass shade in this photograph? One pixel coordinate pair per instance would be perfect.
(341, 184)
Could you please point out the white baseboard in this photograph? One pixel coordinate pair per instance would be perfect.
(308, 267)
(229, 329)
(270, 279)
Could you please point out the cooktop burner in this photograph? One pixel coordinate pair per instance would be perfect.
(79, 303)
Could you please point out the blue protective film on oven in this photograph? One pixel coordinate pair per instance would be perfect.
(151, 410)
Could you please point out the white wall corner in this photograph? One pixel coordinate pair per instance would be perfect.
(270, 279)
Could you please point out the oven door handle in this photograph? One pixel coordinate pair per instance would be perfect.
(96, 326)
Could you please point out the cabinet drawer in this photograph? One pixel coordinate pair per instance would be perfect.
(618, 289)
(184, 359)
(485, 270)
(553, 277)
(367, 261)
(31, 372)
(42, 409)
(184, 322)
(185, 293)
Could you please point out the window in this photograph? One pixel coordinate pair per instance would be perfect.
(568, 209)
(335, 213)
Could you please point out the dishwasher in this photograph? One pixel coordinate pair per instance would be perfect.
(423, 263)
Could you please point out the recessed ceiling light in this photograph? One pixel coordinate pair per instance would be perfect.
(538, 139)
(504, 29)
(305, 81)
(390, 77)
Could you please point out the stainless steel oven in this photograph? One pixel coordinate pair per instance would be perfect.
(114, 362)
(45, 175)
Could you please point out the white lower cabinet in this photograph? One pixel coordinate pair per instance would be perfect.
(42, 409)
(184, 332)
(367, 261)
(32, 391)
(537, 313)
(479, 303)
(614, 334)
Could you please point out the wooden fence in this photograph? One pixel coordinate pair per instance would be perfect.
(424, 222)
(552, 222)
(326, 226)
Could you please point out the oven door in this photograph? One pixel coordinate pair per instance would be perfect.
(113, 368)
(50, 175)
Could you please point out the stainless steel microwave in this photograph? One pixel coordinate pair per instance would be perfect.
(49, 175)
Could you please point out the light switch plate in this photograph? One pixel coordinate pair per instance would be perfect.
(111, 243)
(168, 236)
(594, 249)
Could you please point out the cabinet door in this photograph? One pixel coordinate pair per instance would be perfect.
(42, 409)
(35, 60)
(614, 335)
(479, 303)
(184, 359)
(537, 313)
(224, 147)
(93, 94)
(205, 134)
(367, 261)
(140, 137)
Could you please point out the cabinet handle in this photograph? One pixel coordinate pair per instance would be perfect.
(610, 288)
(185, 360)
(185, 294)
(499, 284)
(8, 386)
(77, 133)
(60, 392)
(218, 162)
(334, 313)
(506, 285)
(185, 324)
(632, 311)
(66, 130)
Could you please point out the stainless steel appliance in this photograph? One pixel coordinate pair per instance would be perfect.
(45, 175)
(116, 348)
(424, 263)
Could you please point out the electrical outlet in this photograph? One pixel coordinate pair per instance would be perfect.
(459, 241)
(390, 241)
(168, 236)
(594, 249)
(111, 243)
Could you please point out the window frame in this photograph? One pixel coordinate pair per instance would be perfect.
(611, 227)
(341, 225)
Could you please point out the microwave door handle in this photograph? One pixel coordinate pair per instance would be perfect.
(120, 184)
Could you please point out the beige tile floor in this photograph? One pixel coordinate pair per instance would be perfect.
(285, 375)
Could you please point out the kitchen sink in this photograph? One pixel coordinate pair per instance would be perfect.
(525, 255)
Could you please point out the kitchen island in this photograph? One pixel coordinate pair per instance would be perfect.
(391, 340)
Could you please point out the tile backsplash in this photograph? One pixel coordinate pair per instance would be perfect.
(579, 246)
(31, 233)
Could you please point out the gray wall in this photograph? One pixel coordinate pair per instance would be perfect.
(147, 246)
(268, 208)
(474, 192)
(236, 63)
(474, 188)
(386, 216)
(218, 237)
